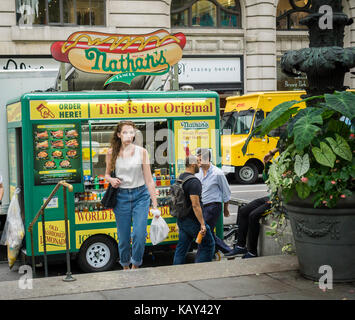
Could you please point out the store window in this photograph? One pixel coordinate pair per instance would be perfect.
(60, 12)
(206, 13)
(290, 12)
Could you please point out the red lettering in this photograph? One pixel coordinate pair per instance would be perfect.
(100, 106)
(169, 107)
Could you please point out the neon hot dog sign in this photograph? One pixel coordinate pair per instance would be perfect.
(123, 56)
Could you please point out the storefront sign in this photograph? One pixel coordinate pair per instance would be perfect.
(103, 216)
(82, 235)
(125, 56)
(210, 70)
(173, 234)
(52, 204)
(153, 108)
(13, 168)
(286, 83)
(55, 236)
(97, 216)
(56, 153)
(16, 63)
(58, 110)
(164, 212)
(14, 112)
(190, 135)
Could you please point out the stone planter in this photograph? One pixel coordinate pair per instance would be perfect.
(324, 237)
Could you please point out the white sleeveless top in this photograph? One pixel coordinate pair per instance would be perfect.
(129, 170)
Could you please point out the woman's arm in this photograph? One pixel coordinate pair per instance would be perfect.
(115, 182)
(149, 179)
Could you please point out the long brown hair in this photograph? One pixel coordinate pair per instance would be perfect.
(116, 142)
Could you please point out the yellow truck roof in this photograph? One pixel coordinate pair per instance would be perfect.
(265, 100)
(261, 100)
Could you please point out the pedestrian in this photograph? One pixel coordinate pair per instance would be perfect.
(136, 187)
(215, 191)
(248, 220)
(1, 190)
(193, 222)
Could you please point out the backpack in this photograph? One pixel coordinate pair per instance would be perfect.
(177, 198)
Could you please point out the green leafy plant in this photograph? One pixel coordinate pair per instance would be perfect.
(277, 229)
(318, 148)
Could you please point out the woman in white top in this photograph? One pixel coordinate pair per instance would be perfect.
(134, 179)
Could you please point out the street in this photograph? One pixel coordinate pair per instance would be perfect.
(249, 192)
(244, 192)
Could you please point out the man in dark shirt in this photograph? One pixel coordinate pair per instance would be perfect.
(193, 223)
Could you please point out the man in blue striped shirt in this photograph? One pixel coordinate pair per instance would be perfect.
(215, 191)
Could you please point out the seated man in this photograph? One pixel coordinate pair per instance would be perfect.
(248, 220)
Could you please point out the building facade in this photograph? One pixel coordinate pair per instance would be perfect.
(243, 40)
(233, 46)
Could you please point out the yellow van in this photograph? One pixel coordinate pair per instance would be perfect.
(241, 115)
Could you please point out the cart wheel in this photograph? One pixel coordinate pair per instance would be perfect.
(98, 253)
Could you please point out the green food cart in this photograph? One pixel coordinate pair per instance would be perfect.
(56, 136)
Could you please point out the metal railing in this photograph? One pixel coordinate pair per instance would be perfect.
(41, 213)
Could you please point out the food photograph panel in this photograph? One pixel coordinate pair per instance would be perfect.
(57, 153)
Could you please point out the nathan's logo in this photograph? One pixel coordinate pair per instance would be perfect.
(194, 125)
(124, 56)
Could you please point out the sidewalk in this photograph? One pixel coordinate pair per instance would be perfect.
(264, 278)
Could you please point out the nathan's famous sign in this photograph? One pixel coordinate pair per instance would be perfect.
(123, 56)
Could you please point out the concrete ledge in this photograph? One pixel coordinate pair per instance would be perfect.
(112, 280)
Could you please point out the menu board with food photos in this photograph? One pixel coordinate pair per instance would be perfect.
(56, 153)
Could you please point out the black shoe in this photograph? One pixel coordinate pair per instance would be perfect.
(237, 251)
(249, 255)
